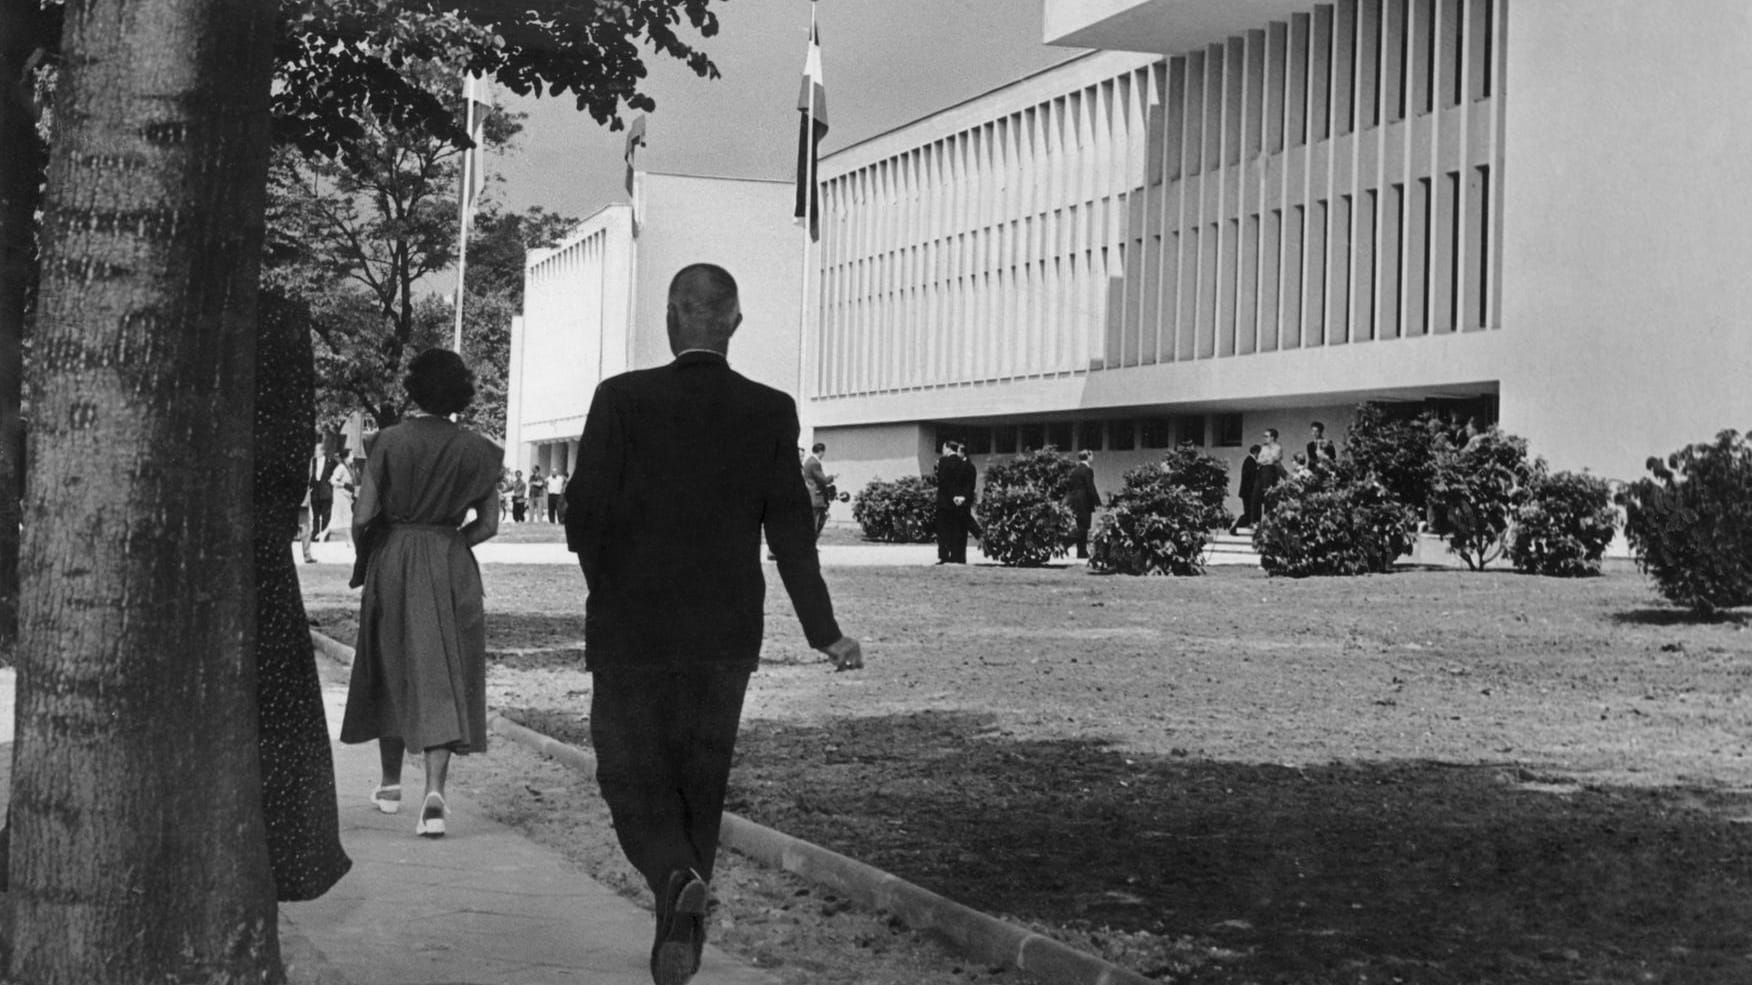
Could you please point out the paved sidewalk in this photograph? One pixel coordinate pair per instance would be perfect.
(483, 905)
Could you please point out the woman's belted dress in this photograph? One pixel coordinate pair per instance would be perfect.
(419, 670)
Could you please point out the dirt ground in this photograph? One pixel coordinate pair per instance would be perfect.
(1431, 776)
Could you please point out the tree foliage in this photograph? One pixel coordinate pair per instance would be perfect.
(900, 512)
(1563, 525)
(1475, 489)
(1023, 527)
(1399, 452)
(1156, 524)
(1690, 523)
(1332, 521)
(1204, 476)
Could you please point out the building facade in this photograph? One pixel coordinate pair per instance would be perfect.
(1235, 216)
(594, 305)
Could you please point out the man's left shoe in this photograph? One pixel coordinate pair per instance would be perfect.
(681, 929)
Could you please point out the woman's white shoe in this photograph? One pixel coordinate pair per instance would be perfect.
(387, 799)
(431, 824)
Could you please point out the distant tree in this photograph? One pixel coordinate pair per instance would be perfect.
(501, 241)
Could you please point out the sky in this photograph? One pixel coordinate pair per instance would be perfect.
(885, 63)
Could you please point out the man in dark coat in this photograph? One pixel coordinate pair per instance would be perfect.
(680, 470)
(1320, 447)
(956, 477)
(1082, 497)
(1249, 505)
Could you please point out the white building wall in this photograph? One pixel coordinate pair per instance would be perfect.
(743, 226)
(577, 315)
(1630, 227)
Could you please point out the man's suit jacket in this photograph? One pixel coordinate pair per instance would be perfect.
(1082, 496)
(956, 476)
(815, 478)
(1249, 475)
(680, 468)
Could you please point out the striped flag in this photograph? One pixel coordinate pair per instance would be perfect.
(812, 126)
(475, 105)
(635, 140)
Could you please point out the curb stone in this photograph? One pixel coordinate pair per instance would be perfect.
(979, 936)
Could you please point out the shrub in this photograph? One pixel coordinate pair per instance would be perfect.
(1475, 490)
(1023, 519)
(1690, 525)
(1048, 470)
(1399, 453)
(1023, 527)
(900, 512)
(1205, 477)
(1332, 521)
(1156, 526)
(1563, 526)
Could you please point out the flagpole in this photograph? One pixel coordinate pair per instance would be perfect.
(462, 204)
(808, 239)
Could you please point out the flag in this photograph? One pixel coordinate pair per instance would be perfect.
(635, 140)
(811, 127)
(475, 105)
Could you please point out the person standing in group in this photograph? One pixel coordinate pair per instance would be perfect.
(820, 485)
(504, 494)
(557, 498)
(419, 670)
(681, 469)
(1320, 447)
(556, 487)
(1271, 471)
(322, 494)
(1249, 504)
(519, 496)
(955, 481)
(537, 494)
(1082, 498)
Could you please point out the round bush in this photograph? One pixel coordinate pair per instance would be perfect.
(1476, 488)
(1024, 521)
(900, 512)
(1023, 527)
(1399, 453)
(1690, 523)
(1155, 526)
(1563, 526)
(1205, 477)
(1331, 522)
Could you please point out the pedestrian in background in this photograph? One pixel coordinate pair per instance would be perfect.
(519, 497)
(820, 484)
(1249, 503)
(537, 494)
(955, 485)
(556, 485)
(1083, 498)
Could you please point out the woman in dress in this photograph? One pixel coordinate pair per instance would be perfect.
(429, 493)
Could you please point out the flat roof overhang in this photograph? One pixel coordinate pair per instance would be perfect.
(1168, 27)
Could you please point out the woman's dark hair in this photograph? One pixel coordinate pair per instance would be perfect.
(440, 382)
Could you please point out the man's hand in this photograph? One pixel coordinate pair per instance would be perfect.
(960, 500)
(845, 653)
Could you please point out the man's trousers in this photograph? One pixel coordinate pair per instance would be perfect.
(664, 740)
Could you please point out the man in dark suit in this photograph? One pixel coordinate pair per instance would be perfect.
(1249, 504)
(955, 481)
(1082, 497)
(680, 470)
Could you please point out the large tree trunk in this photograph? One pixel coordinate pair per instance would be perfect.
(138, 848)
(20, 172)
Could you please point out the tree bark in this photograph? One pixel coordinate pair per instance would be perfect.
(138, 847)
(20, 193)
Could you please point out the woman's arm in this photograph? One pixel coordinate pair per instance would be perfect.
(486, 522)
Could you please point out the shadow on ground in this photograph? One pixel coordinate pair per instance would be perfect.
(1367, 871)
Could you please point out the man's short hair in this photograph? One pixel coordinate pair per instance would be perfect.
(704, 293)
(1084, 455)
(1252, 449)
(1272, 432)
(1318, 426)
(819, 448)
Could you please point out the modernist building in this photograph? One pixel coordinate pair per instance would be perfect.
(594, 305)
(1241, 214)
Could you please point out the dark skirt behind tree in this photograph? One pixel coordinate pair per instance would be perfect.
(298, 776)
